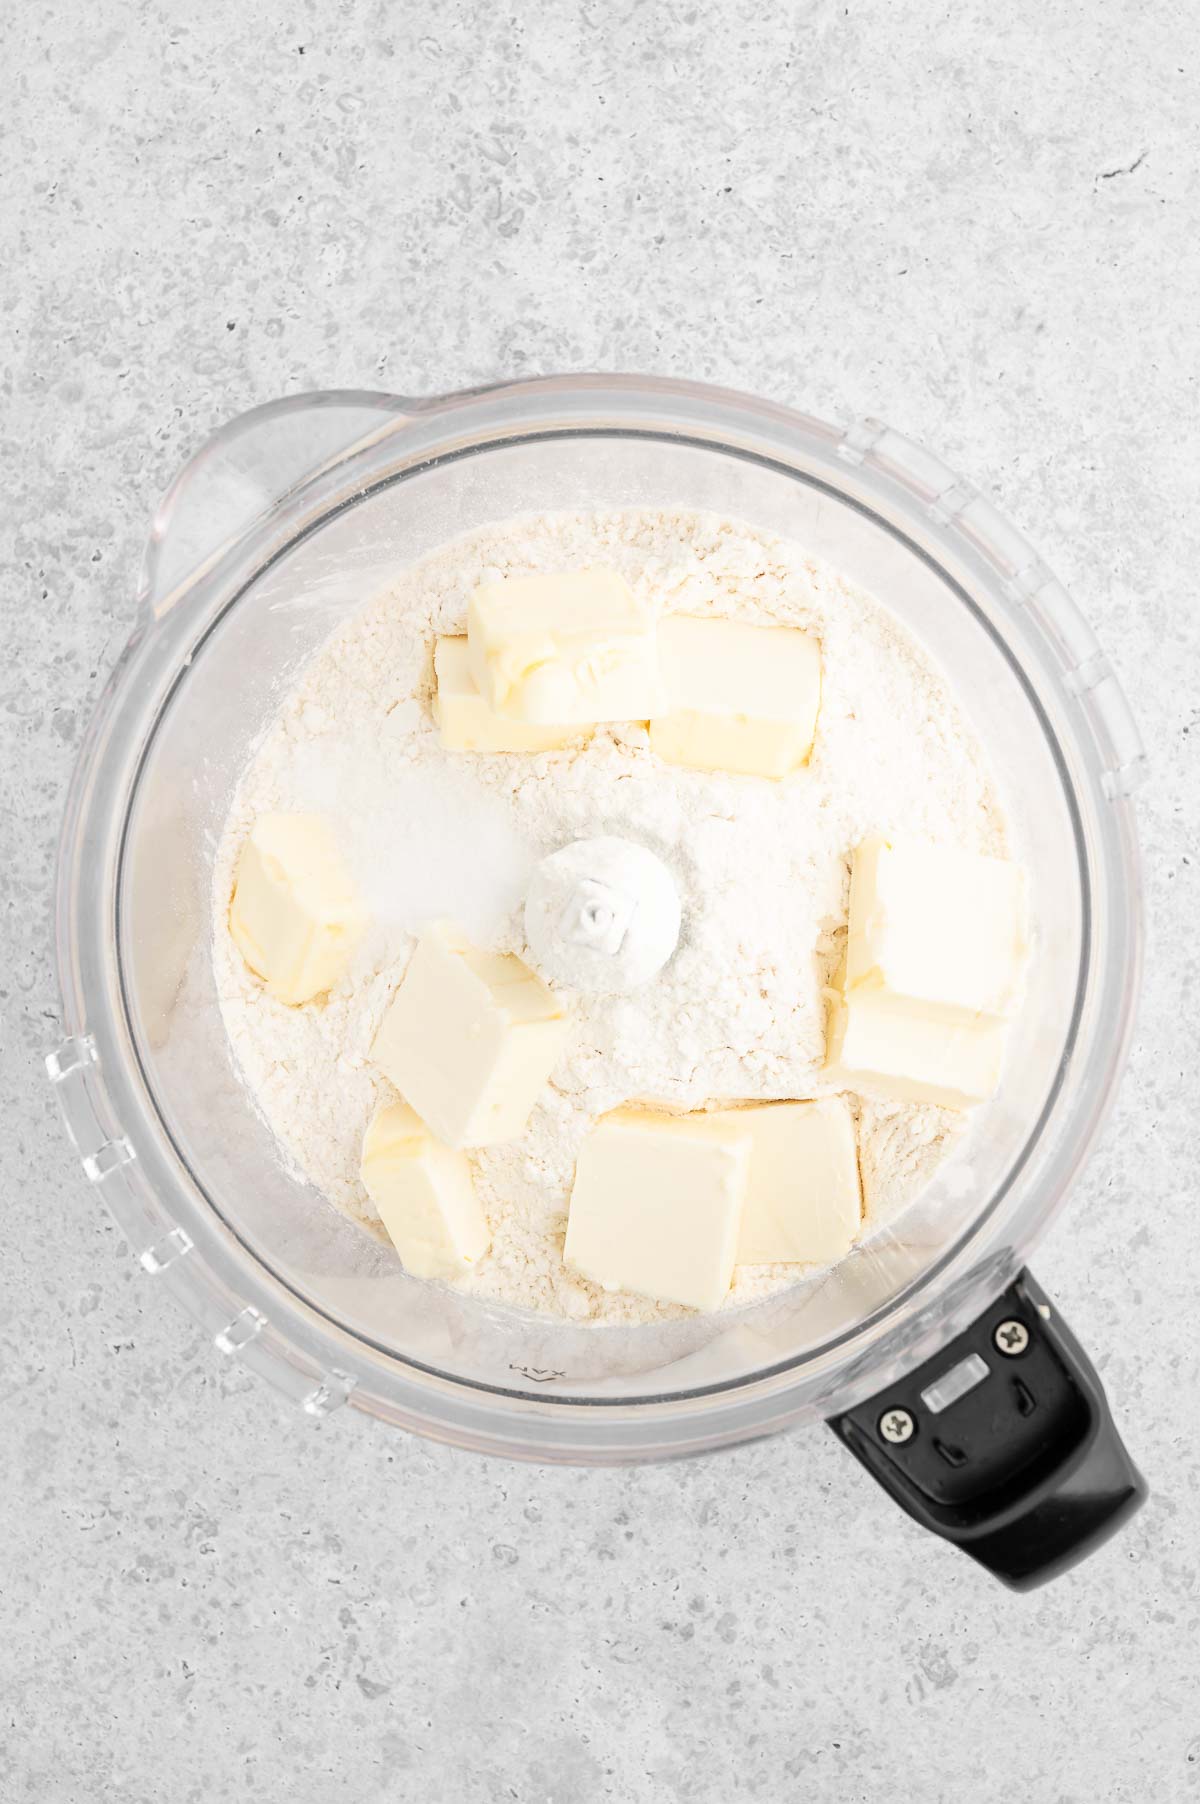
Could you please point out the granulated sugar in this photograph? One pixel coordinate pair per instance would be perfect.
(762, 869)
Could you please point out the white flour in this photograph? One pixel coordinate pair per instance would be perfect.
(762, 869)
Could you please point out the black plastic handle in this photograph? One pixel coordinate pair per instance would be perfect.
(1003, 1444)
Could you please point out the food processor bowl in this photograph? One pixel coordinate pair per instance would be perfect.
(294, 516)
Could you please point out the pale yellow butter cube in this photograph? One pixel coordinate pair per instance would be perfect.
(657, 1203)
(936, 929)
(804, 1202)
(882, 1049)
(469, 1039)
(424, 1194)
(295, 917)
(467, 724)
(568, 649)
(740, 698)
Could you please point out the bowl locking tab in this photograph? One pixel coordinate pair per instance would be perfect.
(1003, 1443)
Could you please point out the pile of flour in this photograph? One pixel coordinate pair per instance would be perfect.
(763, 871)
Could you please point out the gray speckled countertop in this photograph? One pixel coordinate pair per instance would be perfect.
(980, 223)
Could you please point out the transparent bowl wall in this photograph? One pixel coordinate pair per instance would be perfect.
(268, 541)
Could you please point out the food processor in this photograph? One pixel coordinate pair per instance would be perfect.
(929, 1349)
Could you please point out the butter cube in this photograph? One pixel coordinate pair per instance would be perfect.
(466, 722)
(881, 1049)
(469, 1040)
(424, 1194)
(740, 698)
(935, 929)
(564, 650)
(295, 917)
(657, 1204)
(804, 1201)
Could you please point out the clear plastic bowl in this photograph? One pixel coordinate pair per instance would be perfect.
(296, 514)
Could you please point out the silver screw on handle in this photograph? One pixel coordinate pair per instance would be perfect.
(896, 1426)
(1011, 1338)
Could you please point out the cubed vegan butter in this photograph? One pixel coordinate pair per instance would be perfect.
(883, 1049)
(740, 698)
(567, 649)
(424, 1194)
(465, 721)
(936, 929)
(295, 917)
(657, 1203)
(804, 1200)
(469, 1039)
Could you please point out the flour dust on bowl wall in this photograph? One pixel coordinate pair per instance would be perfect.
(600, 918)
